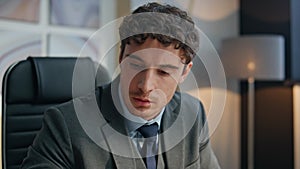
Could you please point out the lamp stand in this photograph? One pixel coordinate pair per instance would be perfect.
(250, 130)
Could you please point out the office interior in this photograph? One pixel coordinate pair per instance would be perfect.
(68, 28)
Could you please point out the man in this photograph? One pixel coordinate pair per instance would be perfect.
(140, 120)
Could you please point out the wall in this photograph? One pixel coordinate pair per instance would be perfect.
(222, 22)
(282, 18)
(219, 20)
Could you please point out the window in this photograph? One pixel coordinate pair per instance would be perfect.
(49, 28)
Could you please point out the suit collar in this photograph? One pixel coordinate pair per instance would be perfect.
(116, 135)
(172, 127)
(110, 107)
(122, 149)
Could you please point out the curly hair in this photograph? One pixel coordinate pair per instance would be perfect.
(165, 23)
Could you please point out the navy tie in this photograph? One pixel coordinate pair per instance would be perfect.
(149, 149)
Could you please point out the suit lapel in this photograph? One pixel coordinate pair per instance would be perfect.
(160, 162)
(172, 127)
(123, 150)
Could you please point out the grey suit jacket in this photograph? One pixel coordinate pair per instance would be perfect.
(78, 134)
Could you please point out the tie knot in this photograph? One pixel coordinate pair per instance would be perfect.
(148, 130)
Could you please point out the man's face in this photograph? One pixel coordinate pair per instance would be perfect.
(150, 73)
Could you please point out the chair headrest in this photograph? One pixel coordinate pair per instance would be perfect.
(50, 79)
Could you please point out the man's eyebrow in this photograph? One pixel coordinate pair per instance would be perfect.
(134, 57)
(168, 66)
(161, 66)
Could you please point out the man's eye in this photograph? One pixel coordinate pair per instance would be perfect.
(164, 73)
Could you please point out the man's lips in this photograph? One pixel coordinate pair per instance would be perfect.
(141, 102)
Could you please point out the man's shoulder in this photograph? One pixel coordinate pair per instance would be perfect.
(186, 98)
(71, 102)
(80, 110)
(85, 100)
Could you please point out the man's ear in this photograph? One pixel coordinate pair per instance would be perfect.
(186, 71)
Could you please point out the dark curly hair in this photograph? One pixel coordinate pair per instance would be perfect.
(168, 24)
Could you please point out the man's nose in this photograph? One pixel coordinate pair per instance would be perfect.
(147, 80)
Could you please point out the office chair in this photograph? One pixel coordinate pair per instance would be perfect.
(31, 86)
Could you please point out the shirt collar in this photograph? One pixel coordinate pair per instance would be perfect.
(134, 122)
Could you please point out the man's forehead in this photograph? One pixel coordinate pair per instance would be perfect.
(154, 54)
(152, 45)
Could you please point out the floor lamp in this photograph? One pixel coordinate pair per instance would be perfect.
(253, 57)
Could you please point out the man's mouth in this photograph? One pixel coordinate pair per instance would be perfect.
(141, 102)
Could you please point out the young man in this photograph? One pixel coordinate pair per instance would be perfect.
(140, 120)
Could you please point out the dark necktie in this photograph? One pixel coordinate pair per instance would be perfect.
(149, 149)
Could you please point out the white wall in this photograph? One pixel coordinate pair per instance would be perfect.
(219, 19)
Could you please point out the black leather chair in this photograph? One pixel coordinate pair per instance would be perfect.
(30, 87)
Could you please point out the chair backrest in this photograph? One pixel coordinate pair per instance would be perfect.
(31, 86)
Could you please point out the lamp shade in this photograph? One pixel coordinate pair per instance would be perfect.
(257, 56)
